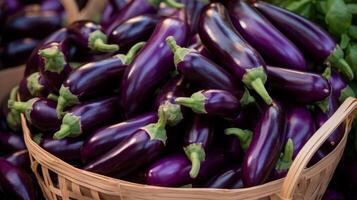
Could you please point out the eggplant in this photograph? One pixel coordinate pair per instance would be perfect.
(333, 195)
(304, 87)
(9, 7)
(19, 159)
(133, 30)
(193, 10)
(11, 117)
(238, 141)
(264, 151)
(139, 7)
(52, 5)
(212, 102)
(86, 116)
(309, 37)
(106, 138)
(107, 16)
(89, 35)
(67, 149)
(198, 140)
(200, 70)
(33, 86)
(230, 178)
(261, 34)
(219, 36)
(154, 61)
(94, 79)
(340, 88)
(143, 146)
(17, 51)
(10, 142)
(247, 117)
(16, 182)
(284, 162)
(40, 112)
(173, 170)
(118, 4)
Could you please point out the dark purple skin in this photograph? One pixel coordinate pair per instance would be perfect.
(118, 4)
(319, 155)
(25, 92)
(339, 86)
(247, 117)
(193, 10)
(19, 159)
(106, 138)
(260, 33)
(267, 142)
(88, 116)
(10, 142)
(9, 7)
(230, 178)
(17, 51)
(133, 30)
(53, 5)
(127, 156)
(173, 170)
(233, 147)
(155, 60)
(16, 182)
(175, 87)
(301, 87)
(333, 195)
(107, 16)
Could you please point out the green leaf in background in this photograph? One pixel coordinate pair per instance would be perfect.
(303, 7)
(338, 18)
(352, 8)
(352, 32)
(351, 57)
(345, 40)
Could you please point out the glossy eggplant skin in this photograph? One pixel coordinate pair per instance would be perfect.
(155, 60)
(260, 33)
(106, 138)
(230, 178)
(118, 4)
(127, 156)
(333, 195)
(16, 182)
(193, 10)
(173, 170)
(17, 51)
(133, 30)
(19, 159)
(267, 142)
(10, 142)
(304, 87)
(176, 87)
(340, 88)
(247, 117)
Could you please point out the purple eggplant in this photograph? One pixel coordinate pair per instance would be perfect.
(17, 51)
(309, 37)
(19, 159)
(67, 149)
(133, 30)
(89, 35)
(197, 141)
(340, 88)
(106, 138)
(141, 147)
(247, 117)
(154, 61)
(301, 87)
(199, 69)
(261, 34)
(118, 4)
(16, 182)
(219, 36)
(94, 79)
(11, 117)
(33, 86)
(238, 141)
(40, 112)
(10, 142)
(212, 102)
(333, 195)
(193, 10)
(84, 117)
(264, 151)
(107, 16)
(230, 178)
(174, 170)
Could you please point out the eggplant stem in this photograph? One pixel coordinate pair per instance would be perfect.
(196, 102)
(173, 4)
(53, 97)
(286, 159)
(245, 136)
(33, 84)
(13, 93)
(101, 46)
(196, 154)
(50, 52)
(21, 107)
(173, 113)
(196, 165)
(63, 132)
(259, 87)
(179, 52)
(65, 99)
(54, 59)
(345, 93)
(345, 68)
(133, 51)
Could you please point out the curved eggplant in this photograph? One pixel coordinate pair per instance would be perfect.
(219, 36)
(10, 142)
(17, 51)
(32, 86)
(19, 159)
(230, 178)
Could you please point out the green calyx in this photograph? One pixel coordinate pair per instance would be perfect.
(246, 98)
(133, 51)
(33, 84)
(286, 159)
(170, 3)
(323, 105)
(196, 154)
(173, 113)
(345, 93)
(97, 41)
(157, 130)
(336, 60)
(70, 127)
(65, 100)
(23, 107)
(13, 118)
(37, 138)
(54, 59)
(255, 79)
(245, 136)
(196, 102)
(179, 52)
(327, 73)
(52, 97)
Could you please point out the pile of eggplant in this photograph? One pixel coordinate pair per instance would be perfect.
(187, 93)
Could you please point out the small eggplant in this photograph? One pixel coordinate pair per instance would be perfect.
(33, 86)
(308, 36)
(12, 117)
(16, 182)
(261, 34)
(84, 117)
(19, 159)
(239, 141)
(89, 35)
(104, 139)
(340, 88)
(247, 117)
(94, 79)
(133, 30)
(212, 102)
(301, 87)
(174, 170)
(264, 151)
(219, 36)
(154, 61)
(230, 178)
(10, 142)
(17, 51)
(197, 141)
